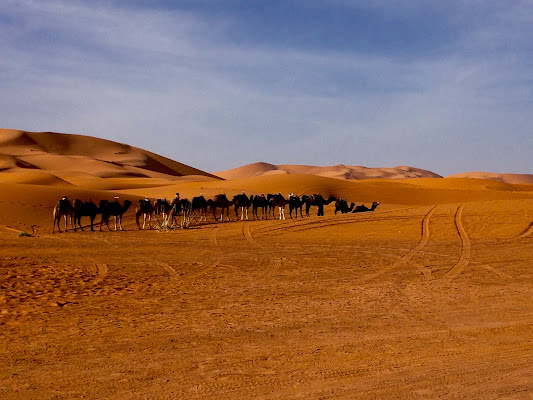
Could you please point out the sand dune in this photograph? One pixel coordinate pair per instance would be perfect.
(507, 178)
(57, 152)
(348, 172)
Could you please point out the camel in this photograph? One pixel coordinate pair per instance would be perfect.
(243, 202)
(84, 209)
(115, 209)
(162, 207)
(363, 208)
(220, 201)
(144, 208)
(320, 202)
(308, 201)
(63, 208)
(199, 203)
(279, 201)
(342, 206)
(259, 202)
(295, 203)
(177, 206)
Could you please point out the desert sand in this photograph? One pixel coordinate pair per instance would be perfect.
(429, 296)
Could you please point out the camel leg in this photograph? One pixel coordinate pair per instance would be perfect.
(66, 223)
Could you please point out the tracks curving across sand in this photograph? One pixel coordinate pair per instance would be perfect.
(101, 273)
(423, 241)
(464, 260)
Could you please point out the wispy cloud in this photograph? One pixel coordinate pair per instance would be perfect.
(175, 80)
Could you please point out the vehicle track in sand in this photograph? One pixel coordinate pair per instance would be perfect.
(275, 261)
(298, 225)
(101, 272)
(423, 241)
(526, 232)
(464, 260)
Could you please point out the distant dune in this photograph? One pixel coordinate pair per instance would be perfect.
(507, 178)
(340, 171)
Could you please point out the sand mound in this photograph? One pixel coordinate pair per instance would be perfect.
(507, 178)
(340, 171)
(58, 152)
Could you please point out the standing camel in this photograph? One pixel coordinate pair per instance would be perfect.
(199, 203)
(114, 209)
(144, 208)
(243, 202)
(320, 202)
(84, 209)
(220, 201)
(295, 203)
(259, 202)
(177, 206)
(279, 201)
(63, 208)
(162, 207)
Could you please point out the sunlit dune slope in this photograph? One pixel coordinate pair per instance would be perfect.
(58, 153)
(340, 171)
(508, 178)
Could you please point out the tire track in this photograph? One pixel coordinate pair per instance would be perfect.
(466, 247)
(275, 261)
(527, 232)
(174, 276)
(214, 243)
(423, 241)
(101, 273)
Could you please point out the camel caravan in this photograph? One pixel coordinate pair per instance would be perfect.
(163, 213)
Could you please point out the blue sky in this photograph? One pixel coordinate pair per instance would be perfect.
(444, 86)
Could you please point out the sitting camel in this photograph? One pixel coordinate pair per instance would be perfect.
(115, 209)
(63, 208)
(84, 209)
(363, 208)
(144, 208)
(342, 206)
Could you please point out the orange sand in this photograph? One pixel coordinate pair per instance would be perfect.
(429, 296)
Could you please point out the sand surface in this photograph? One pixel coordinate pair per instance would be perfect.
(429, 296)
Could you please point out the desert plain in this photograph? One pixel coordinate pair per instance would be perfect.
(429, 296)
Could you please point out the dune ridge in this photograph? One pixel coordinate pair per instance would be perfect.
(339, 171)
(506, 178)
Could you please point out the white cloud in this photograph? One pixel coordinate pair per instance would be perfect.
(161, 80)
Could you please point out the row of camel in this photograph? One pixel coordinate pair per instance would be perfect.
(198, 208)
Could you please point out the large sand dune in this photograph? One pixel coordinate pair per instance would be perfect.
(429, 296)
(58, 153)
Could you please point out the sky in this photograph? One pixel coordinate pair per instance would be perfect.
(216, 84)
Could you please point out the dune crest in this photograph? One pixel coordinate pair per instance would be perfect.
(505, 178)
(339, 171)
